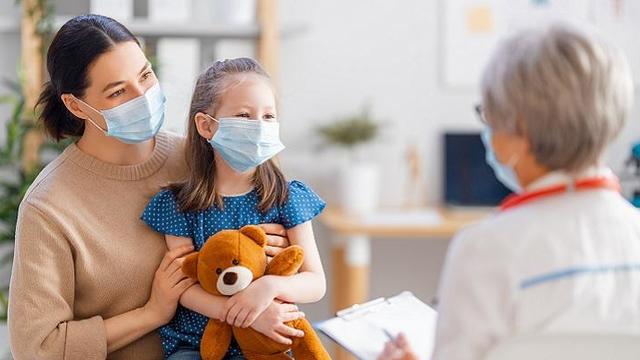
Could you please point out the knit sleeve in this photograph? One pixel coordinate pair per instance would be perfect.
(302, 205)
(41, 296)
(163, 215)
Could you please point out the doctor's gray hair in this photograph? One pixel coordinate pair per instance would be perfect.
(566, 91)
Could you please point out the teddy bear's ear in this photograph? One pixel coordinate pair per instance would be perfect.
(190, 265)
(255, 233)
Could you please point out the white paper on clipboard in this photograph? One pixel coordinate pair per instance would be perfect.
(363, 329)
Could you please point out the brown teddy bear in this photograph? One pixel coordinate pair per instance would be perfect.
(227, 263)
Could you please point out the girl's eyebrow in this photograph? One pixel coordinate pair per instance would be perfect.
(245, 106)
(252, 107)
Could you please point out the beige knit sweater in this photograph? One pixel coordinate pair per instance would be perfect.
(83, 255)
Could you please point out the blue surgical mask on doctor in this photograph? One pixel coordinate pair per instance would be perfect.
(137, 120)
(244, 144)
(504, 172)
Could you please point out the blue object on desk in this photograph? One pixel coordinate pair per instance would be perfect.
(469, 181)
(634, 160)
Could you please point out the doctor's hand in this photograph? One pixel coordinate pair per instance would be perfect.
(398, 349)
(276, 239)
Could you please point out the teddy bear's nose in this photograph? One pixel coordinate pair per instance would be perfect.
(230, 278)
(233, 280)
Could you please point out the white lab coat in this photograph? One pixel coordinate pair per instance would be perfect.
(564, 263)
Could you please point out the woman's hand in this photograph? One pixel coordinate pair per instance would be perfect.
(168, 284)
(243, 308)
(276, 238)
(271, 322)
(398, 349)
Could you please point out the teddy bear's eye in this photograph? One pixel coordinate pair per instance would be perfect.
(235, 262)
(218, 271)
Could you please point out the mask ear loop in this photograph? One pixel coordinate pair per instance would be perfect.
(513, 160)
(211, 118)
(89, 118)
(572, 184)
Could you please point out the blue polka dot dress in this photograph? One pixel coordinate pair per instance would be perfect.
(163, 215)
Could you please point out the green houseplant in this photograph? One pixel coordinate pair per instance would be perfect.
(351, 131)
(358, 175)
(14, 178)
(13, 183)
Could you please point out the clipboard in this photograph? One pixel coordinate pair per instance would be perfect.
(363, 329)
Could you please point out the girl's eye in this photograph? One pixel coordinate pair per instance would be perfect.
(147, 75)
(243, 115)
(235, 262)
(218, 271)
(269, 117)
(117, 93)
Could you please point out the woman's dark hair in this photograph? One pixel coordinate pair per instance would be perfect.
(78, 43)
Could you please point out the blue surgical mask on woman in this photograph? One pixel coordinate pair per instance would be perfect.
(245, 144)
(505, 173)
(137, 120)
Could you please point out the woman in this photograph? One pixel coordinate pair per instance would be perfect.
(89, 279)
(563, 255)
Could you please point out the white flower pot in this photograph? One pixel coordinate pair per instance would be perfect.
(241, 12)
(360, 187)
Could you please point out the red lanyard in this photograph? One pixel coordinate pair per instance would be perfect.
(514, 200)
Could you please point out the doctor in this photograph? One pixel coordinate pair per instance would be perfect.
(563, 255)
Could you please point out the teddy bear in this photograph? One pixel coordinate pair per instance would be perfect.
(227, 263)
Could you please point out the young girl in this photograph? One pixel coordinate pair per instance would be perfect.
(233, 135)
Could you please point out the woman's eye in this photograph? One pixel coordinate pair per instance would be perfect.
(117, 93)
(269, 117)
(218, 271)
(243, 115)
(147, 75)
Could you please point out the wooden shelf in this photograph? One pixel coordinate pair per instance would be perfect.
(147, 28)
(266, 32)
(150, 28)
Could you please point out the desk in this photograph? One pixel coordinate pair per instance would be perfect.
(351, 253)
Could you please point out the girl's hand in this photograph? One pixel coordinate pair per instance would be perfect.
(271, 322)
(276, 238)
(169, 283)
(398, 349)
(243, 308)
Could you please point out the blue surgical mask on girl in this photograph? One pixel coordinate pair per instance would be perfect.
(244, 144)
(137, 120)
(505, 173)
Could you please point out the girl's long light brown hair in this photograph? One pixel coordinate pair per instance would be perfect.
(198, 191)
